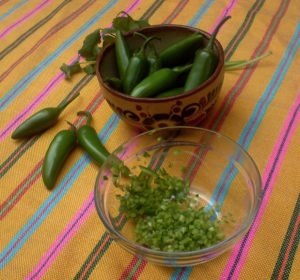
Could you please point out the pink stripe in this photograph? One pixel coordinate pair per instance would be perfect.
(27, 16)
(226, 11)
(36, 101)
(4, 133)
(68, 232)
(60, 242)
(42, 213)
(265, 176)
(245, 26)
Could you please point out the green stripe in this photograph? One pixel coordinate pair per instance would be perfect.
(148, 13)
(285, 244)
(174, 14)
(32, 29)
(98, 257)
(250, 12)
(20, 190)
(134, 269)
(82, 83)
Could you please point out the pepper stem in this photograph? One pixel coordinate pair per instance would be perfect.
(88, 114)
(73, 127)
(215, 32)
(232, 65)
(61, 106)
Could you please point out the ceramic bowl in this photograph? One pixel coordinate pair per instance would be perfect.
(189, 108)
(222, 175)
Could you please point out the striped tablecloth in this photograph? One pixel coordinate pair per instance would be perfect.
(58, 235)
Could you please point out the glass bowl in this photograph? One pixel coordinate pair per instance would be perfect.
(222, 175)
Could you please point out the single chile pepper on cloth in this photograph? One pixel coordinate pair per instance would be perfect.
(122, 53)
(137, 68)
(89, 141)
(41, 120)
(159, 81)
(205, 62)
(58, 151)
(180, 51)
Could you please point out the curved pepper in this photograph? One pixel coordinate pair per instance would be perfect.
(137, 67)
(59, 149)
(205, 62)
(41, 120)
(89, 141)
(123, 54)
(158, 81)
(178, 52)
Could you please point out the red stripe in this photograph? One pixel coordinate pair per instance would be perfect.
(286, 256)
(173, 14)
(19, 187)
(20, 195)
(139, 270)
(49, 34)
(131, 265)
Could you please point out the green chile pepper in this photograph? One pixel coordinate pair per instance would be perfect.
(114, 82)
(154, 60)
(41, 120)
(59, 149)
(137, 68)
(123, 54)
(205, 62)
(180, 51)
(158, 81)
(89, 141)
(171, 92)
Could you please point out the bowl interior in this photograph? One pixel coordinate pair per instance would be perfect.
(223, 177)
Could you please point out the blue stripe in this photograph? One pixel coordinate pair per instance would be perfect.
(24, 82)
(71, 178)
(14, 8)
(278, 70)
(279, 74)
(202, 10)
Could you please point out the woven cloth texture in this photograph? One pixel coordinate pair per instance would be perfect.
(58, 234)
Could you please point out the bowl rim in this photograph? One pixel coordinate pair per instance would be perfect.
(219, 69)
(214, 248)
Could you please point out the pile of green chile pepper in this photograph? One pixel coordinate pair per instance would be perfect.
(177, 68)
(65, 141)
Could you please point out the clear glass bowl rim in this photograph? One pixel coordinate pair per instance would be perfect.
(214, 248)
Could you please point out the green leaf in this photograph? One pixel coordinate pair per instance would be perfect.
(90, 44)
(127, 23)
(69, 70)
(90, 69)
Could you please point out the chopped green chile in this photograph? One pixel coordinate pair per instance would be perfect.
(166, 216)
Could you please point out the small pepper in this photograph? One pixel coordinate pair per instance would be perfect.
(58, 151)
(41, 120)
(180, 51)
(159, 81)
(205, 62)
(114, 82)
(89, 141)
(123, 53)
(170, 92)
(154, 60)
(137, 68)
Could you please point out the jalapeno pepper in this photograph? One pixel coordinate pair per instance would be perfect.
(159, 81)
(205, 62)
(179, 52)
(137, 68)
(59, 149)
(114, 82)
(89, 141)
(123, 53)
(170, 92)
(41, 120)
(154, 60)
